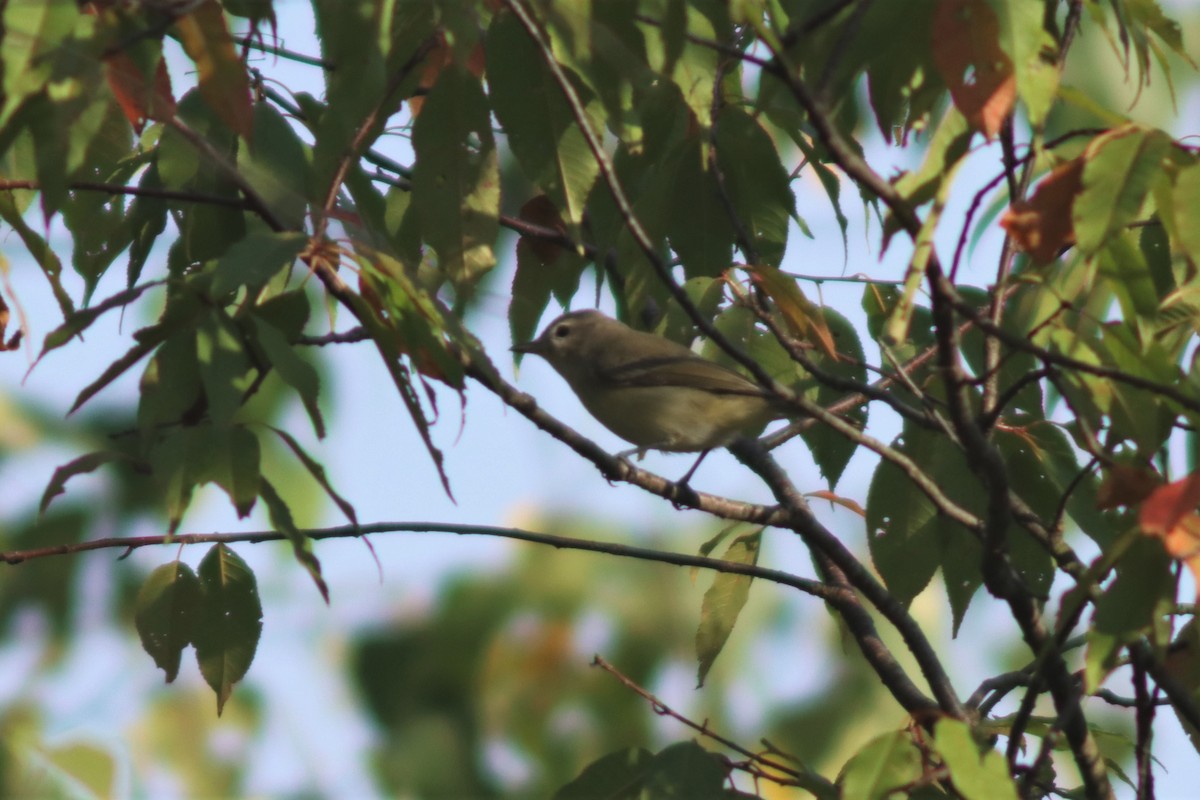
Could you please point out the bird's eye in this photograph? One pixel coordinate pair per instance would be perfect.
(561, 331)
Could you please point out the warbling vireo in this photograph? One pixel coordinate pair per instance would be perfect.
(654, 393)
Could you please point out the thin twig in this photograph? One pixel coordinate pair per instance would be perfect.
(664, 710)
(135, 191)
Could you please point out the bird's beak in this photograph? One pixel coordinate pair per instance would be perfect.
(534, 347)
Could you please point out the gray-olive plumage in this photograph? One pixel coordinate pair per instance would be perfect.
(650, 391)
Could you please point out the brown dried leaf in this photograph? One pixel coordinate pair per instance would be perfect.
(542, 212)
(803, 316)
(967, 53)
(1126, 485)
(1042, 225)
(224, 84)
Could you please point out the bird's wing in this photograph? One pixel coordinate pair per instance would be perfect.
(681, 370)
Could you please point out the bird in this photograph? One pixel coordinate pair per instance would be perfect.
(652, 392)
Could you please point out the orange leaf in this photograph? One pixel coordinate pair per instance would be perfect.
(1041, 225)
(138, 100)
(1183, 540)
(803, 316)
(1126, 485)
(224, 84)
(438, 59)
(1168, 505)
(966, 51)
(14, 342)
(844, 502)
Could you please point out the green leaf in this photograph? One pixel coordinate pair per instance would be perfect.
(1138, 414)
(976, 776)
(903, 83)
(1119, 169)
(950, 143)
(902, 523)
(1155, 247)
(614, 775)
(880, 304)
(698, 224)
(293, 370)
(1134, 605)
(402, 222)
(350, 35)
(286, 311)
(417, 324)
(456, 180)
(206, 229)
(33, 30)
(146, 219)
(81, 320)
(692, 66)
(40, 250)
(684, 769)
(1024, 39)
(182, 459)
(112, 372)
(98, 221)
(229, 622)
(539, 124)
(756, 181)
(908, 538)
(225, 370)
(536, 281)
(165, 613)
(254, 260)
(241, 476)
(78, 466)
(1186, 200)
(170, 387)
(723, 602)
(830, 450)
(1123, 263)
(277, 164)
(302, 548)
(885, 764)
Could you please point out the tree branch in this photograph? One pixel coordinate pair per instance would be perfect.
(833, 556)
(131, 543)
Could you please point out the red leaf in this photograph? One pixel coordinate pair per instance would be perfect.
(1042, 225)
(138, 100)
(966, 51)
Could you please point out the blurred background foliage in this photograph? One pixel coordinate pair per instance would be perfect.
(484, 686)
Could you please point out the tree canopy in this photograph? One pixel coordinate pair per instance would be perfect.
(1019, 399)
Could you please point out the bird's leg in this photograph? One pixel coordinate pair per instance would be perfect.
(688, 475)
